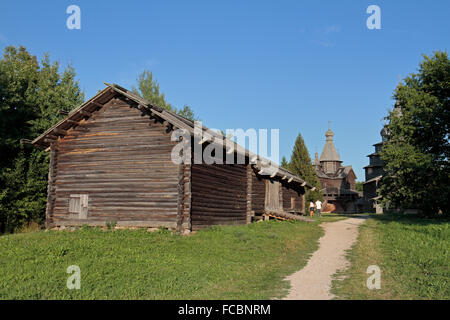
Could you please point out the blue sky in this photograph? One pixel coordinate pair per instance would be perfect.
(291, 65)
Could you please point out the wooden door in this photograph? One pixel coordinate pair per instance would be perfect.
(273, 196)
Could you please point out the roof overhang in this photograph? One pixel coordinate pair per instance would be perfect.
(264, 166)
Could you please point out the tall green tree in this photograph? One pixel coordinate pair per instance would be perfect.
(284, 164)
(301, 165)
(148, 88)
(31, 93)
(417, 150)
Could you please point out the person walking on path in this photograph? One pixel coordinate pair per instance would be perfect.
(318, 208)
(311, 208)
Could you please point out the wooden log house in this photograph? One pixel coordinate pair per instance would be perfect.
(110, 161)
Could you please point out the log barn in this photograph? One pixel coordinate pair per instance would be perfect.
(110, 161)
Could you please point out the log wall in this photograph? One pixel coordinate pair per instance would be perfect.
(122, 162)
(219, 195)
(289, 193)
(258, 194)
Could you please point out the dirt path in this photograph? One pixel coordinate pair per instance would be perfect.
(313, 282)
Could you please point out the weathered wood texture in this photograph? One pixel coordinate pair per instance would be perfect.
(258, 194)
(218, 195)
(273, 196)
(293, 199)
(124, 164)
(250, 212)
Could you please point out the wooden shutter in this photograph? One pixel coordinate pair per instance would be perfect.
(78, 206)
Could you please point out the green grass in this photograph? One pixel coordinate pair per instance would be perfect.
(331, 217)
(237, 262)
(412, 253)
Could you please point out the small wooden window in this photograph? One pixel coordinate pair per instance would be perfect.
(78, 206)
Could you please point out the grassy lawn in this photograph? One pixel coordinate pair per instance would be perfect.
(412, 253)
(237, 262)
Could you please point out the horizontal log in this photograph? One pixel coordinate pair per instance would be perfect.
(95, 129)
(101, 223)
(109, 189)
(223, 209)
(230, 185)
(215, 210)
(222, 202)
(127, 216)
(87, 131)
(116, 144)
(224, 168)
(121, 210)
(161, 183)
(220, 196)
(211, 215)
(104, 156)
(106, 203)
(159, 164)
(199, 189)
(232, 178)
(199, 226)
(127, 194)
(136, 176)
(87, 155)
(143, 216)
(122, 180)
(287, 215)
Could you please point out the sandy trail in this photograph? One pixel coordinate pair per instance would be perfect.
(313, 282)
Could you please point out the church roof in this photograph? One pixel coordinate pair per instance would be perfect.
(341, 173)
(329, 152)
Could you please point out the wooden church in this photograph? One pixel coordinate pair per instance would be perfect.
(337, 181)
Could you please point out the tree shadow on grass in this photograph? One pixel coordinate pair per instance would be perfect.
(410, 219)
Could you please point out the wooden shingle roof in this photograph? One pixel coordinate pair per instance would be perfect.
(329, 152)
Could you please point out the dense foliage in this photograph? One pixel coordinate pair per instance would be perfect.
(31, 93)
(284, 164)
(148, 88)
(359, 186)
(417, 149)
